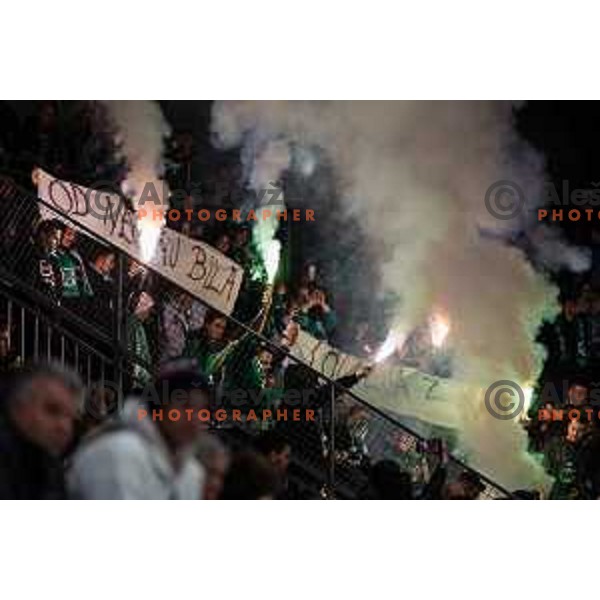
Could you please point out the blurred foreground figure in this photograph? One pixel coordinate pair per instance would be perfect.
(214, 457)
(36, 427)
(147, 452)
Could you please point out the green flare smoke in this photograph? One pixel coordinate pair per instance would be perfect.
(416, 175)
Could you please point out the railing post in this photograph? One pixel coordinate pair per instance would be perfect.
(120, 330)
(331, 444)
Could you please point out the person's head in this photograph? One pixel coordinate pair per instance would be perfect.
(183, 392)
(214, 457)
(290, 334)
(183, 142)
(43, 403)
(184, 300)
(570, 309)
(47, 115)
(468, 486)
(310, 272)
(357, 412)
(214, 326)
(49, 235)
(69, 237)
(250, 477)
(223, 243)
(134, 268)
(303, 296)
(293, 306)
(577, 394)
(276, 449)
(142, 304)
(241, 237)
(577, 429)
(265, 358)
(105, 261)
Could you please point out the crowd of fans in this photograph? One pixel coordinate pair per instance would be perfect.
(60, 439)
(563, 420)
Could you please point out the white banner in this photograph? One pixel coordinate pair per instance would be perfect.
(323, 358)
(404, 390)
(193, 265)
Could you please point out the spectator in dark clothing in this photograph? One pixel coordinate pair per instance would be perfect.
(75, 284)
(102, 268)
(103, 285)
(223, 244)
(45, 269)
(315, 315)
(206, 346)
(350, 435)
(36, 428)
(174, 325)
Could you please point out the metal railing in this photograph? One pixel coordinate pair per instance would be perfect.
(96, 331)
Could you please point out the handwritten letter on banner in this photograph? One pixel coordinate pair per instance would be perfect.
(195, 266)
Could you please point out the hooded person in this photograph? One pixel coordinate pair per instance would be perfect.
(147, 452)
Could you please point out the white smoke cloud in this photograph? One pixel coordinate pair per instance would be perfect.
(416, 175)
(142, 130)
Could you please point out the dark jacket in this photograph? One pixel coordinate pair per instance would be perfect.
(26, 471)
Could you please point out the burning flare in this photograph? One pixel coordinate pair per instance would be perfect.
(392, 342)
(440, 328)
(271, 259)
(149, 234)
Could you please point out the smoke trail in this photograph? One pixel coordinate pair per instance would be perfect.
(141, 133)
(271, 159)
(416, 175)
(264, 160)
